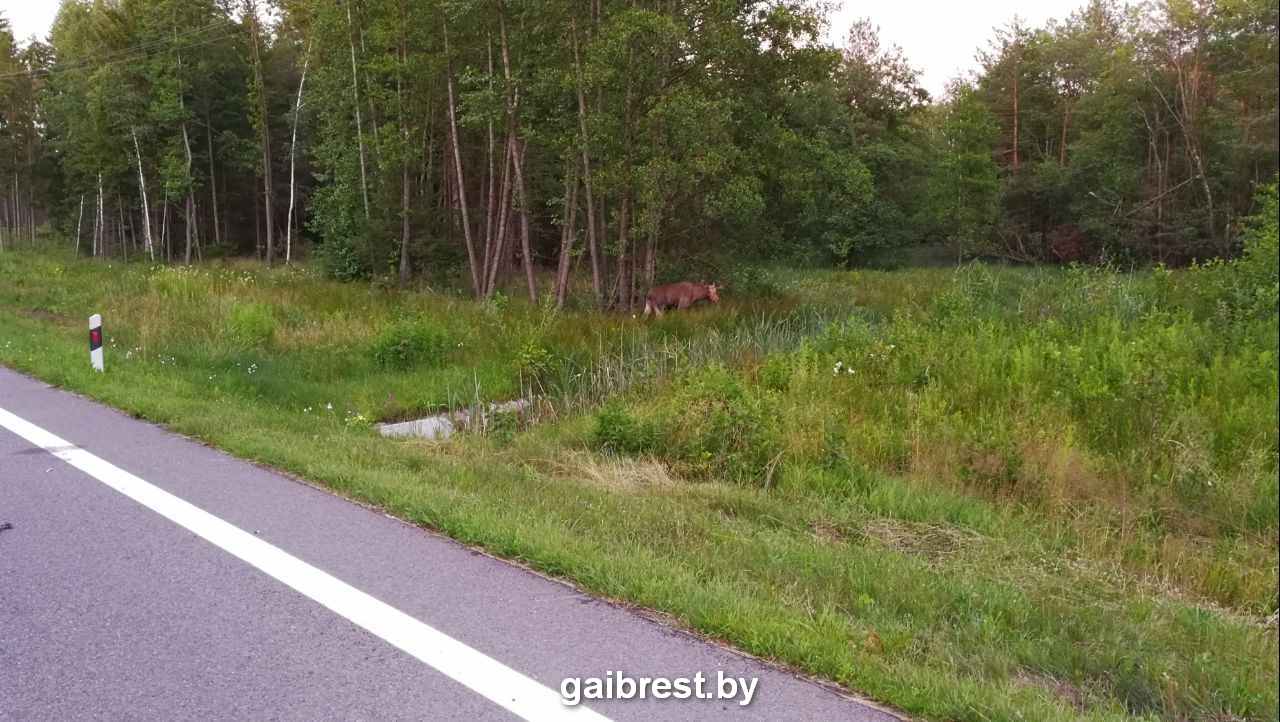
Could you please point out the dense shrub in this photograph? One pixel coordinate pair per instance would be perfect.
(406, 344)
(1249, 286)
(534, 360)
(718, 427)
(751, 282)
(1260, 267)
(341, 261)
(775, 373)
(618, 431)
(713, 426)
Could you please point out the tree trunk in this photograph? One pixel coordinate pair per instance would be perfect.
(265, 133)
(526, 250)
(213, 181)
(124, 248)
(457, 163)
(79, 221)
(142, 184)
(373, 109)
(189, 212)
(164, 228)
(491, 180)
(17, 211)
(504, 202)
(404, 160)
(651, 258)
(133, 231)
(567, 234)
(592, 244)
(1190, 112)
(521, 191)
(15, 229)
(186, 145)
(355, 91)
(257, 223)
(1016, 70)
(626, 276)
(624, 300)
(195, 213)
(31, 190)
(293, 148)
(1062, 146)
(97, 222)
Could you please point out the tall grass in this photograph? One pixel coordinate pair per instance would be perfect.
(1145, 427)
(977, 493)
(640, 356)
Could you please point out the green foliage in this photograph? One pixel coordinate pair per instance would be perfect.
(411, 343)
(533, 360)
(1260, 265)
(823, 197)
(776, 372)
(1127, 131)
(712, 427)
(1084, 389)
(175, 116)
(1111, 135)
(617, 430)
(719, 428)
(964, 188)
(1247, 287)
(341, 261)
(251, 324)
(751, 282)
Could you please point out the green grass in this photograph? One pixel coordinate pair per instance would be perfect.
(1041, 494)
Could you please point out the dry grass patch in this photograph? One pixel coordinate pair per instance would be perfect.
(933, 542)
(619, 474)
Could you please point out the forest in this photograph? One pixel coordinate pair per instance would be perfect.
(607, 145)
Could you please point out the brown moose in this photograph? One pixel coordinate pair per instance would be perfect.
(681, 295)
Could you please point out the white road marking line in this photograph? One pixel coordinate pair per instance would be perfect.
(483, 674)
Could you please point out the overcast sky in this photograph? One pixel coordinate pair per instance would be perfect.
(29, 17)
(939, 36)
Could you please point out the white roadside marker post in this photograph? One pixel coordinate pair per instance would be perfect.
(95, 342)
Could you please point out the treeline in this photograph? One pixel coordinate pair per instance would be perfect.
(1138, 131)
(619, 143)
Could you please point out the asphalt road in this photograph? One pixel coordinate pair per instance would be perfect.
(120, 602)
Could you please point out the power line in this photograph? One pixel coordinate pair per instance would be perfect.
(185, 39)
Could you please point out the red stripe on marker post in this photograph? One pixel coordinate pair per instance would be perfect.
(95, 342)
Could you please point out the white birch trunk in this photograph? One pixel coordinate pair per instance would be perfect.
(79, 223)
(146, 211)
(462, 186)
(293, 145)
(355, 90)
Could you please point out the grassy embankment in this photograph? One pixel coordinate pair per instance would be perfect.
(989, 493)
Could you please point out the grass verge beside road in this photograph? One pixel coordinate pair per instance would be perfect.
(981, 494)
